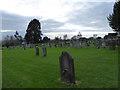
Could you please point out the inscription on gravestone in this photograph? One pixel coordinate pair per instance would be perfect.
(67, 68)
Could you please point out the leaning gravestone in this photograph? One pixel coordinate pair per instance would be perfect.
(67, 68)
(37, 51)
(44, 53)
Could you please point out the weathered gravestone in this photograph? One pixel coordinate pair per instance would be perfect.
(103, 44)
(112, 44)
(85, 45)
(0, 48)
(80, 44)
(49, 45)
(37, 51)
(77, 43)
(24, 46)
(67, 68)
(44, 52)
(10, 47)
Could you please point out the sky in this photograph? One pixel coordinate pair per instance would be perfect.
(57, 17)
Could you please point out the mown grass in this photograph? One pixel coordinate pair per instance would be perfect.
(0, 69)
(94, 68)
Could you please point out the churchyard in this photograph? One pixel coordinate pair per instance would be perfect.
(50, 54)
(93, 67)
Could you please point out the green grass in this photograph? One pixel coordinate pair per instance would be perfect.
(0, 69)
(94, 68)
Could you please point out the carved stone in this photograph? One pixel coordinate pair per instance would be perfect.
(37, 51)
(67, 68)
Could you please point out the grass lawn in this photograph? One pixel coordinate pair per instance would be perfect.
(0, 69)
(94, 68)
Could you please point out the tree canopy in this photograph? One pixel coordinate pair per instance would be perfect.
(33, 32)
(46, 39)
(114, 18)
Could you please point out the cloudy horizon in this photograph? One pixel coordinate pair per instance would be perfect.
(57, 17)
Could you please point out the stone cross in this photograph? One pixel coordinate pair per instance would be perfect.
(67, 68)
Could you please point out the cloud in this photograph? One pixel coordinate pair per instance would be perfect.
(57, 17)
(50, 25)
(91, 11)
(53, 9)
(76, 27)
(7, 30)
(13, 22)
(93, 15)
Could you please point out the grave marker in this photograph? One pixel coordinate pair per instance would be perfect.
(67, 68)
(112, 44)
(37, 51)
(44, 52)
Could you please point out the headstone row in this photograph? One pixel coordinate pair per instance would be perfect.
(44, 51)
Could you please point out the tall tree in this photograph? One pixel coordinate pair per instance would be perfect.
(114, 18)
(33, 32)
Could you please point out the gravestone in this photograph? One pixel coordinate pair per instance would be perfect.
(10, 47)
(37, 51)
(112, 44)
(60, 44)
(85, 45)
(23, 44)
(103, 44)
(67, 68)
(44, 52)
(80, 44)
(0, 48)
(49, 45)
(77, 43)
(71, 45)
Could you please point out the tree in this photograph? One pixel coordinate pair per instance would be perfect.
(65, 36)
(18, 37)
(46, 39)
(33, 34)
(114, 18)
(9, 41)
(79, 35)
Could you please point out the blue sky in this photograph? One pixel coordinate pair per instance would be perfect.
(57, 17)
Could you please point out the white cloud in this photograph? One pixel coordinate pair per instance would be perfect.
(93, 22)
(7, 31)
(76, 27)
(69, 16)
(54, 9)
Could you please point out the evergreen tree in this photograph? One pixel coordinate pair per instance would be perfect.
(114, 18)
(33, 32)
